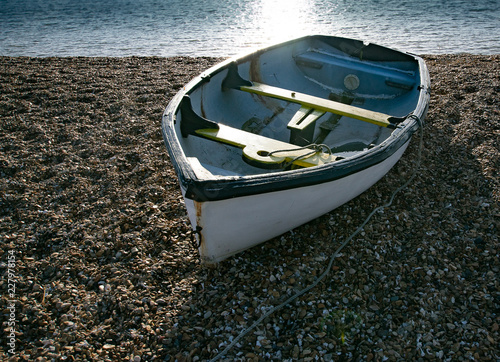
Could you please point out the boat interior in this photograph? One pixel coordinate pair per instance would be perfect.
(302, 104)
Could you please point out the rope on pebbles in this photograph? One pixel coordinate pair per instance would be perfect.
(335, 254)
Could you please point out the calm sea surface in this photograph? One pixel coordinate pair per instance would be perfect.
(230, 27)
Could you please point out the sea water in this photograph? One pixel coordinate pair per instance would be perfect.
(229, 27)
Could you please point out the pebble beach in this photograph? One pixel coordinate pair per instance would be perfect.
(96, 241)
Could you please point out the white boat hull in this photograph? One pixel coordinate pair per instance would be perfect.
(233, 225)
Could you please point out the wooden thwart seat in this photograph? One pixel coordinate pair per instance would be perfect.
(258, 150)
(264, 151)
(233, 80)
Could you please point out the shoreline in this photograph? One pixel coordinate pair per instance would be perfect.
(99, 245)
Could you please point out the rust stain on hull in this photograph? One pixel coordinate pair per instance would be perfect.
(202, 108)
(199, 227)
(256, 76)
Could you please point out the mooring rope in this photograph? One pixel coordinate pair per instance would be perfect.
(336, 253)
(314, 147)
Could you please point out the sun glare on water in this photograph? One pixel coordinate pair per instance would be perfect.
(279, 20)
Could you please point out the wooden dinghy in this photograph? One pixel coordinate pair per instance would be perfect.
(266, 142)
